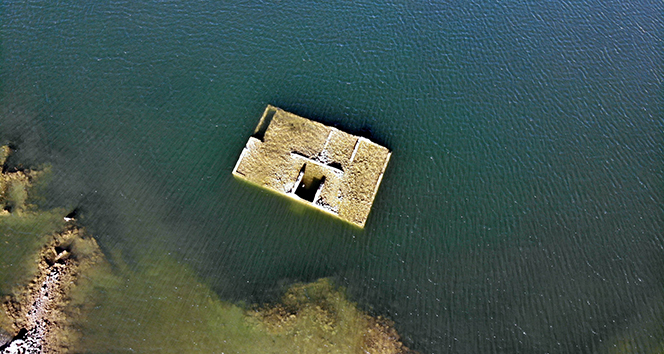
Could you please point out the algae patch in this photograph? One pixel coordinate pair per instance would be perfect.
(319, 315)
(14, 185)
(40, 262)
(23, 229)
(161, 306)
(645, 336)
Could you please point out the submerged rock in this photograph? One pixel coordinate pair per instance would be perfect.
(318, 317)
(24, 343)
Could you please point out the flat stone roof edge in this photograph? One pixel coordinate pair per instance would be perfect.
(270, 106)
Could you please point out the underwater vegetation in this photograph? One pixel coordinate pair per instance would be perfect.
(41, 258)
(23, 229)
(647, 336)
(163, 307)
(158, 304)
(96, 304)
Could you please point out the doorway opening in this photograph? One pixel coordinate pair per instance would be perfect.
(310, 184)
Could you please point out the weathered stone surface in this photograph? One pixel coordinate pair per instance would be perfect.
(328, 169)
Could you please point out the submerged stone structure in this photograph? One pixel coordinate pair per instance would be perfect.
(333, 171)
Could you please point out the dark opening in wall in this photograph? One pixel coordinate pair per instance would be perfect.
(336, 165)
(308, 188)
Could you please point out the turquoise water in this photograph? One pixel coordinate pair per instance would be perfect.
(522, 207)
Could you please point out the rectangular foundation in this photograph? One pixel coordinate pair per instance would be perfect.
(333, 171)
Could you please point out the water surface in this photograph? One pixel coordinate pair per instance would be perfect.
(522, 207)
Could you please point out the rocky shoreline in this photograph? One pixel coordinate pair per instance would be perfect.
(38, 312)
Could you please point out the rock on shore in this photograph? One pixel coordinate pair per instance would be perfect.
(38, 312)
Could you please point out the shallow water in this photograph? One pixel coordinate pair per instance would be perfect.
(522, 207)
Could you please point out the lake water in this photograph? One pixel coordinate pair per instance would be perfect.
(522, 210)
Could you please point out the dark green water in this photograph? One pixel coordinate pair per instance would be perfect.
(522, 210)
